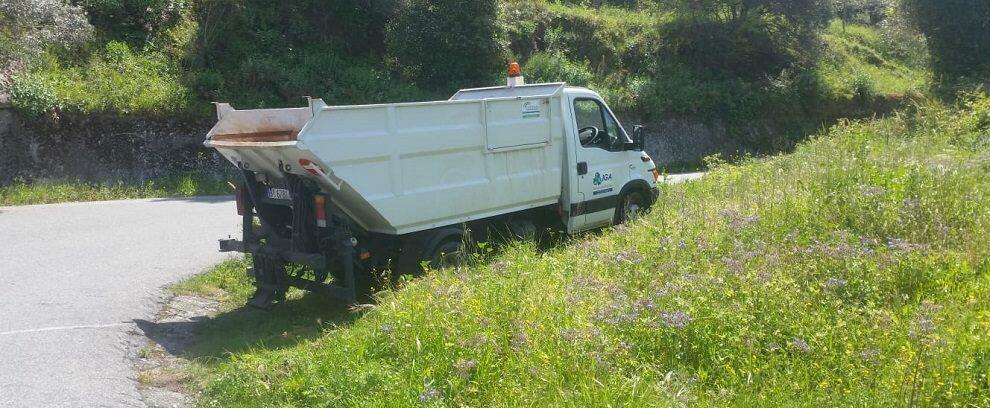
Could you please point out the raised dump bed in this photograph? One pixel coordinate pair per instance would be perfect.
(407, 167)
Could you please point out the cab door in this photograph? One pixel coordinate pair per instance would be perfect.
(601, 162)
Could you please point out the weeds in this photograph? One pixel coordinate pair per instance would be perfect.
(69, 191)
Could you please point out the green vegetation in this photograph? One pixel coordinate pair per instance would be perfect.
(718, 60)
(860, 64)
(71, 191)
(854, 272)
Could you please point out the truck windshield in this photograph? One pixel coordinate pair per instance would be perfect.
(596, 126)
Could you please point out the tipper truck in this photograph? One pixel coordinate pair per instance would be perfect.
(331, 195)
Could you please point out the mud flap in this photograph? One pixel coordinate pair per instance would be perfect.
(270, 280)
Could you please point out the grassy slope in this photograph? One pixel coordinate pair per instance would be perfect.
(856, 57)
(68, 191)
(852, 272)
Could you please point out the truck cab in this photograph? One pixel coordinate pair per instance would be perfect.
(611, 178)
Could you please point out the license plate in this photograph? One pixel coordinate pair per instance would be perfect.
(279, 194)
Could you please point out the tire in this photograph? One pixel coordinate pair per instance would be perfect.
(433, 248)
(631, 206)
(447, 254)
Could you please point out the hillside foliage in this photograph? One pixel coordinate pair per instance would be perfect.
(770, 71)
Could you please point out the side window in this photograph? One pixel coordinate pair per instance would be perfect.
(596, 127)
(588, 114)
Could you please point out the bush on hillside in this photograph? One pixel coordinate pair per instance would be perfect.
(555, 67)
(257, 53)
(134, 21)
(446, 44)
(28, 27)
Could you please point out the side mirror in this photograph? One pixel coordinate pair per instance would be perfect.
(639, 138)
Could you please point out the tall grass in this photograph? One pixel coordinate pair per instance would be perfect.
(854, 272)
(72, 191)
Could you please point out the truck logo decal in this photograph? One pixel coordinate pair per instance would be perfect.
(602, 178)
(530, 109)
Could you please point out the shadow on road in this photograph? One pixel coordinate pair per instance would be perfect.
(246, 328)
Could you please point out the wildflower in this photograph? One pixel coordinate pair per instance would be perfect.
(924, 323)
(476, 341)
(519, 340)
(500, 266)
(734, 265)
(869, 354)
(835, 284)
(430, 394)
(773, 347)
(801, 345)
(386, 329)
(644, 304)
(631, 256)
(869, 191)
(464, 368)
(666, 289)
(764, 277)
(736, 221)
(901, 246)
(675, 319)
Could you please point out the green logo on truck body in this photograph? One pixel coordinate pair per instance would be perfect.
(602, 178)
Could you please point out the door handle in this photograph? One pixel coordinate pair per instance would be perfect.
(582, 168)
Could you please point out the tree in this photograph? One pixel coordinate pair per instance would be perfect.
(958, 34)
(445, 44)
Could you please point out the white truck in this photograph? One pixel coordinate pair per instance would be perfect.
(345, 191)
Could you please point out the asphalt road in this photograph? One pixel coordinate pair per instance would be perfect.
(73, 277)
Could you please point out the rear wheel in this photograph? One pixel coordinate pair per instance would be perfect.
(448, 254)
(631, 206)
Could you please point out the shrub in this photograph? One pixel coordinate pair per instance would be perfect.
(555, 67)
(27, 27)
(134, 21)
(33, 95)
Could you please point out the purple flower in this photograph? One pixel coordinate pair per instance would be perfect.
(737, 221)
(800, 345)
(836, 284)
(464, 368)
(924, 330)
(734, 265)
(869, 191)
(675, 319)
(430, 394)
(500, 266)
(901, 246)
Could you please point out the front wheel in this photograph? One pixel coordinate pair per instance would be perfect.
(631, 206)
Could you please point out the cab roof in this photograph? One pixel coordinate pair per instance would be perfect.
(521, 91)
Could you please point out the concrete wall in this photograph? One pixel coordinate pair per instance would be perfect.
(104, 148)
(677, 142)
